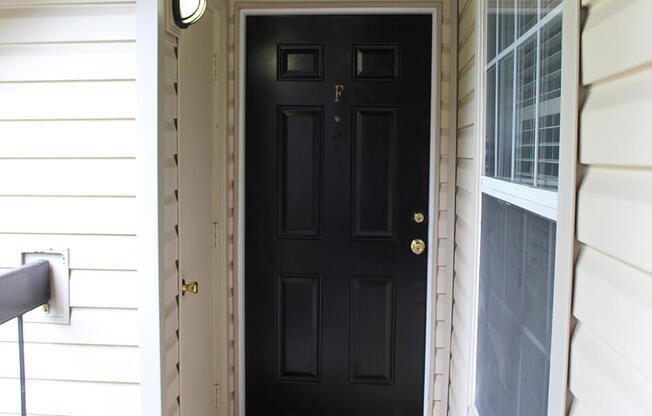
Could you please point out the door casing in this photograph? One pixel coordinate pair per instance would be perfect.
(433, 9)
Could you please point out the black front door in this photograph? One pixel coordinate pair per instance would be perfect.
(336, 157)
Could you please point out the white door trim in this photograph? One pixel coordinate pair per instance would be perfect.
(433, 197)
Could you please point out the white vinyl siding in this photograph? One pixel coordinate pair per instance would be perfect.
(443, 275)
(68, 163)
(170, 236)
(466, 211)
(611, 368)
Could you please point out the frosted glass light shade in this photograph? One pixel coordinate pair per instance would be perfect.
(187, 12)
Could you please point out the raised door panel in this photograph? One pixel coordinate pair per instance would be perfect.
(374, 172)
(371, 359)
(298, 328)
(300, 173)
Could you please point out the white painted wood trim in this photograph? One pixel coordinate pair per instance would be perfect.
(149, 113)
(536, 200)
(433, 217)
(566, 203)
(447, 302)
(434, 185)
(480, 75)
(220, 216)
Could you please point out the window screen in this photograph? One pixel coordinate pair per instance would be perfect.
(515, 311)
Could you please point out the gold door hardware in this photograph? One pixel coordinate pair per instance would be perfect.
(418, 246)
(339, 89)
(192, 287)
(418, 217)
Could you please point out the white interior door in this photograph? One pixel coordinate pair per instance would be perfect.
(196, 127)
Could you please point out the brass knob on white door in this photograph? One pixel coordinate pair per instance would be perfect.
(418, 246)
(192, 287)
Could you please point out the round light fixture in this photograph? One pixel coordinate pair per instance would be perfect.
(187, 12)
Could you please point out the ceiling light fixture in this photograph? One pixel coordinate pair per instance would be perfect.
(187, 12)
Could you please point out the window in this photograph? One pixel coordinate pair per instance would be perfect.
(519, 206)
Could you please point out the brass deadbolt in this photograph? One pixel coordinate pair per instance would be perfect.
(418, 217)
(418, 246)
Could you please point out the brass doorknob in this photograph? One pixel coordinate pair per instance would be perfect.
(418, 246)
(192, 287)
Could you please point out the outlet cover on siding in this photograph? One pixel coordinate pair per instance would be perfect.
(59, 305)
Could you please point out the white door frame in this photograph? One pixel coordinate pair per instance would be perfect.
(433, 197)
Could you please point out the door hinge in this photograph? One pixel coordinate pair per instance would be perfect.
(217, 396)
(216, 70)
(215, 234)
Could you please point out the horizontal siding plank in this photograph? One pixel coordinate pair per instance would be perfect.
(467, 21)
(76, 177)
(65, 398)
(68, 100)
(465, 205)
(613, 214)
(466, 83)
(170, 103)
(74, 23)
(68, 139)
(619, 109)
(170, 63)
(63, 62)
(72, 363)
(603, 381)
(466, 52)
(68, 215)
(466, 143)
(33, 3)
(579, 410)
(466, 112)
(104, 289)
(625, 324)
(466, 175)
(87, 326)
(97, 252)
(616, 38)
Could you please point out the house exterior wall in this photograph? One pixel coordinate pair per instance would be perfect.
(446, 174)
(466, 211)
(610, 362)
(68, 161)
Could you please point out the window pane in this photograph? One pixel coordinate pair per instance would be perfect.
(527, 15)
(548, 5)
(549, 104)
(492, 25)
(490, 137)
(515, 311)
(525, 112)
(506, 23)
(505, 113)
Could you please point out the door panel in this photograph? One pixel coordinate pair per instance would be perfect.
(374, 171)
(336, 163)
(299, 328)
(300, 159)
(371, 354)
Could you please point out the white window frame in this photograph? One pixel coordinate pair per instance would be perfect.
(557, 206)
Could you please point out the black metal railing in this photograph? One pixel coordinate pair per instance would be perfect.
(22, 290)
